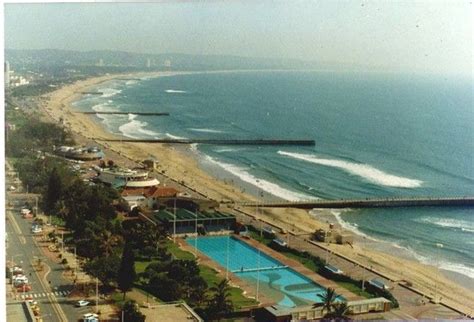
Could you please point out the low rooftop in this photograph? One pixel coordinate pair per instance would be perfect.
(170, 313)
(183, 215)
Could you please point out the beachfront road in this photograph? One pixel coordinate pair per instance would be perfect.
(49, 288)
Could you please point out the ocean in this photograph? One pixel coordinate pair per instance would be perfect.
(377, 135)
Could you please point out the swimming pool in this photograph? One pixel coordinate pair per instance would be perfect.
(280, 283)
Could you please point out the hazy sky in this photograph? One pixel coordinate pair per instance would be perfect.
(430, 36)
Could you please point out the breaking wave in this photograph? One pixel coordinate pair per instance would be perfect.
(364, 171)
(171, 136)
(109, 92)
(205, 130)
(175, 91)
(134, 128)
(462, 225)
(270, 187)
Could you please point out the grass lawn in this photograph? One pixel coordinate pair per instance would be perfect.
(56, 221)
(177, 252)
(117, 297)
(307, 262)
(355, 289)
(236, 296)
(140, 266)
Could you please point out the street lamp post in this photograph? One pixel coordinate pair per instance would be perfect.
(363, 278)
(75, 260)
(438, 246)
(96, 295)
(196, 231)
(36, 207)
(174, 221)
(258, 274)
(257, 215)
(227, 259)
(62, 242)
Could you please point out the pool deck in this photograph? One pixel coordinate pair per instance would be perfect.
(249, 289)
(300, 268)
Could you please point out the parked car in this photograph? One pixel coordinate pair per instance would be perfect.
(17, 270)
(82, 303)
(19, 280)
(379, 284)
(280, 242)
(90, 317)
(36, 229)
(269, 231)
(333, 269)
(23, 288)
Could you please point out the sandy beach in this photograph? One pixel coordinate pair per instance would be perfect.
(182, 168)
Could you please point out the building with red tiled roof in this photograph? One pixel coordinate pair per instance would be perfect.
(162, 192)
(150, 197)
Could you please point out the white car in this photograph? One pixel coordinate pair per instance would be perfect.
(90, 317)
(82, 303)
(36, 230)
(20, 280)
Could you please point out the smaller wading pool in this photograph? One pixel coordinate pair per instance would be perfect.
(277, 281)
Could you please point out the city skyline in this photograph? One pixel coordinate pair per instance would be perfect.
(427, 37)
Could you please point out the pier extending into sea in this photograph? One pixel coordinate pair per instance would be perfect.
(217, 141)
(370, 203)
(126, 113)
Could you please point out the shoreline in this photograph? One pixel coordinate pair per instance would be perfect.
(181, 166)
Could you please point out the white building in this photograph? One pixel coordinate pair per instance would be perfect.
(120, 177)
(7, 74)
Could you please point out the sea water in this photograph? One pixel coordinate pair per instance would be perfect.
(377, 135)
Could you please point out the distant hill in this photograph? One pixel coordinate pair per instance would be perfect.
(53, 58)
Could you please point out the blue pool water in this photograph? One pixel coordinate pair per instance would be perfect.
(282, 284)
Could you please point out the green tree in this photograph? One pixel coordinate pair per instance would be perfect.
(166, 288)
(220, 304)
(54, 191)
(126, 274)
(197, 291)
(131, 312)
(104, 268)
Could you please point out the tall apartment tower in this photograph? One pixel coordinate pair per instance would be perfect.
(7, 73)
(148, 63)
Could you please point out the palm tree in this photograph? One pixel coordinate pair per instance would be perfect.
(339, 313)
(220, 303)
(328, 299)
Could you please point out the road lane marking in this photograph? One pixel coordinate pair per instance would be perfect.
(52, 299)
(16, 228)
